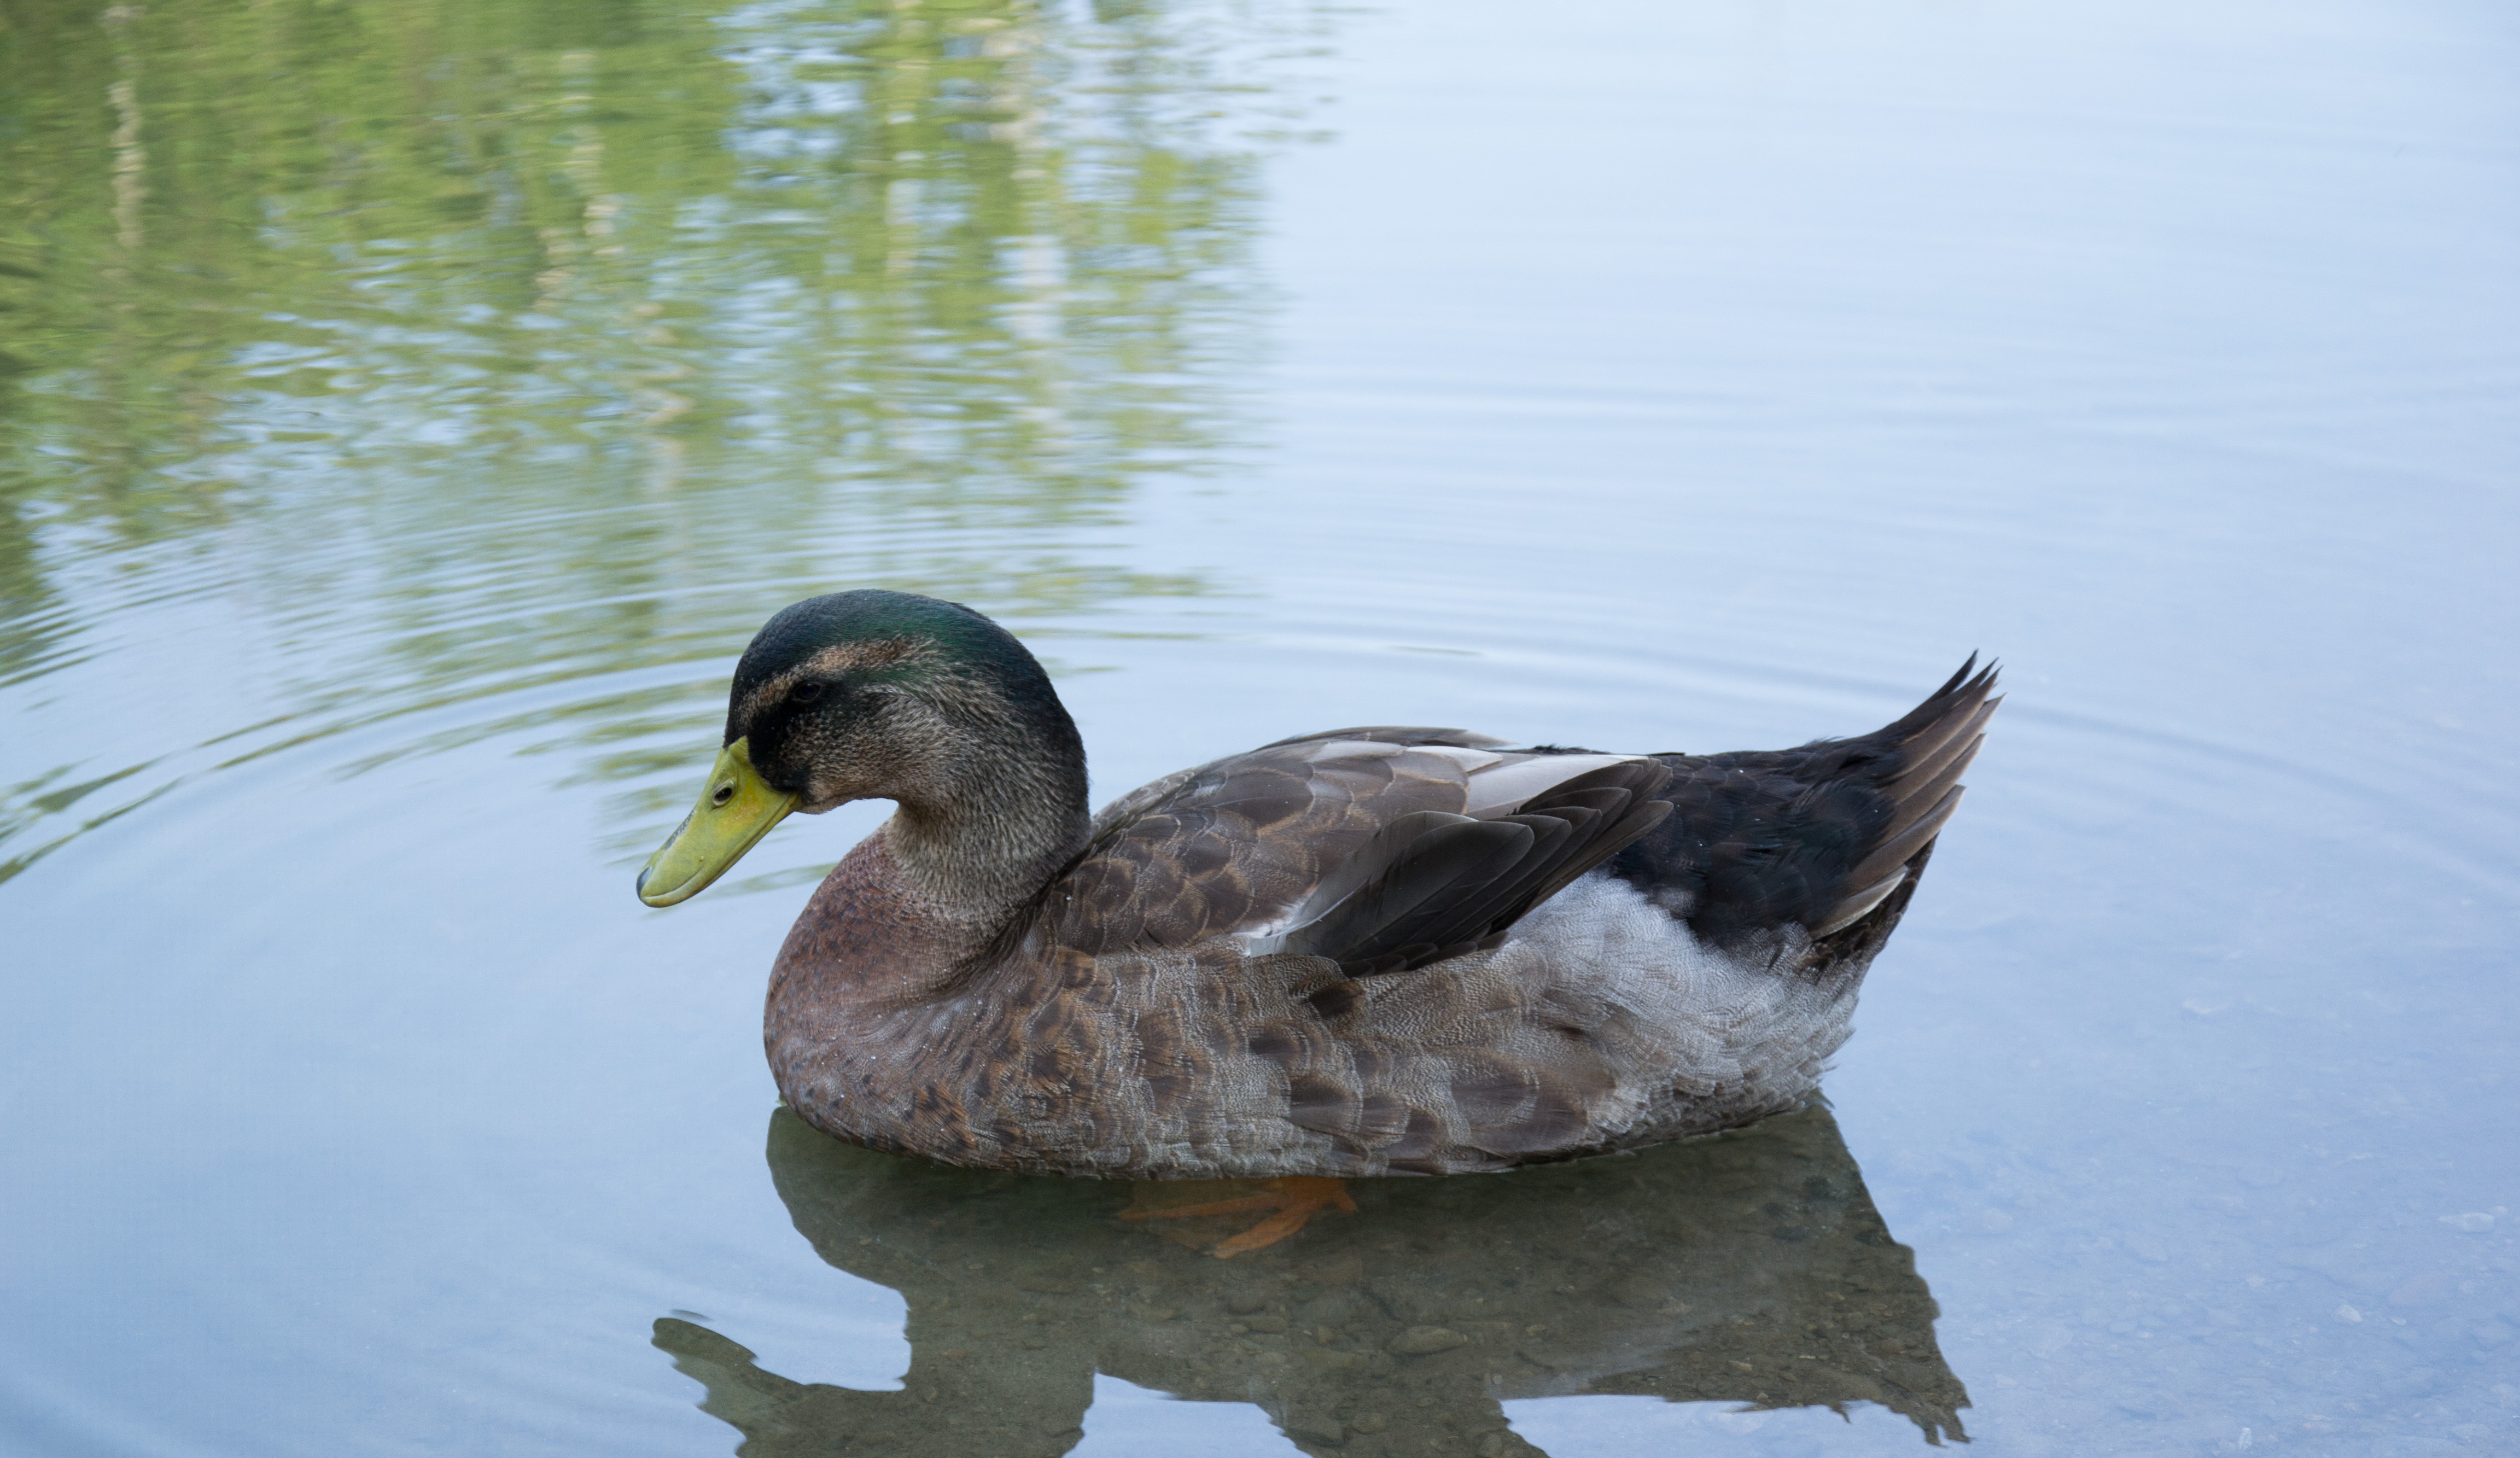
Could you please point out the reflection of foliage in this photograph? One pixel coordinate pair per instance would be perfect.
(491, 344)
(903, 235)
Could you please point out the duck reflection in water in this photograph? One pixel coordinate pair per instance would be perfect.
(1750, 1267)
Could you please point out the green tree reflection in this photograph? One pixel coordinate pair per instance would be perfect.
(526, 343)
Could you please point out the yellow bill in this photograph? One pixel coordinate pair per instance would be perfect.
(735, 812)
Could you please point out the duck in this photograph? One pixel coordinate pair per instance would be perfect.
(1382, 951)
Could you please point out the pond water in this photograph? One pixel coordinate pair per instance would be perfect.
(408, 411)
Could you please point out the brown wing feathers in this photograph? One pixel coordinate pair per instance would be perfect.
(1391, 877)
(1434, 885)
(1429, 864)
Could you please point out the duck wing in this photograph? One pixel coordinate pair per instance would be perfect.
(1380, 847)
(1389, 847)
(1432, 886)
(1829, 837)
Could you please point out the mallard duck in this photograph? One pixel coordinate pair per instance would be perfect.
(1367, 951)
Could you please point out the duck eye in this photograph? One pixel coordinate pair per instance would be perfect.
(805, 693)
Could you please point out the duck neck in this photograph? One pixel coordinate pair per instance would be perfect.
(977, 841)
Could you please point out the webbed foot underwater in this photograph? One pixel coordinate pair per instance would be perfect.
(1368, 951)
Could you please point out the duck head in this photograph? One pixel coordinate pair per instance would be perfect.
(875, 695)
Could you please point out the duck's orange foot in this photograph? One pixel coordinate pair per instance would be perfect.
(1293, 1199)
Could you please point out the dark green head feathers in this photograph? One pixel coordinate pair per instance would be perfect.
(839, 693)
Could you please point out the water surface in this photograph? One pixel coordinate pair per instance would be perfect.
(410, 410)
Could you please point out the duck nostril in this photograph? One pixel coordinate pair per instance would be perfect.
(722, 794)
